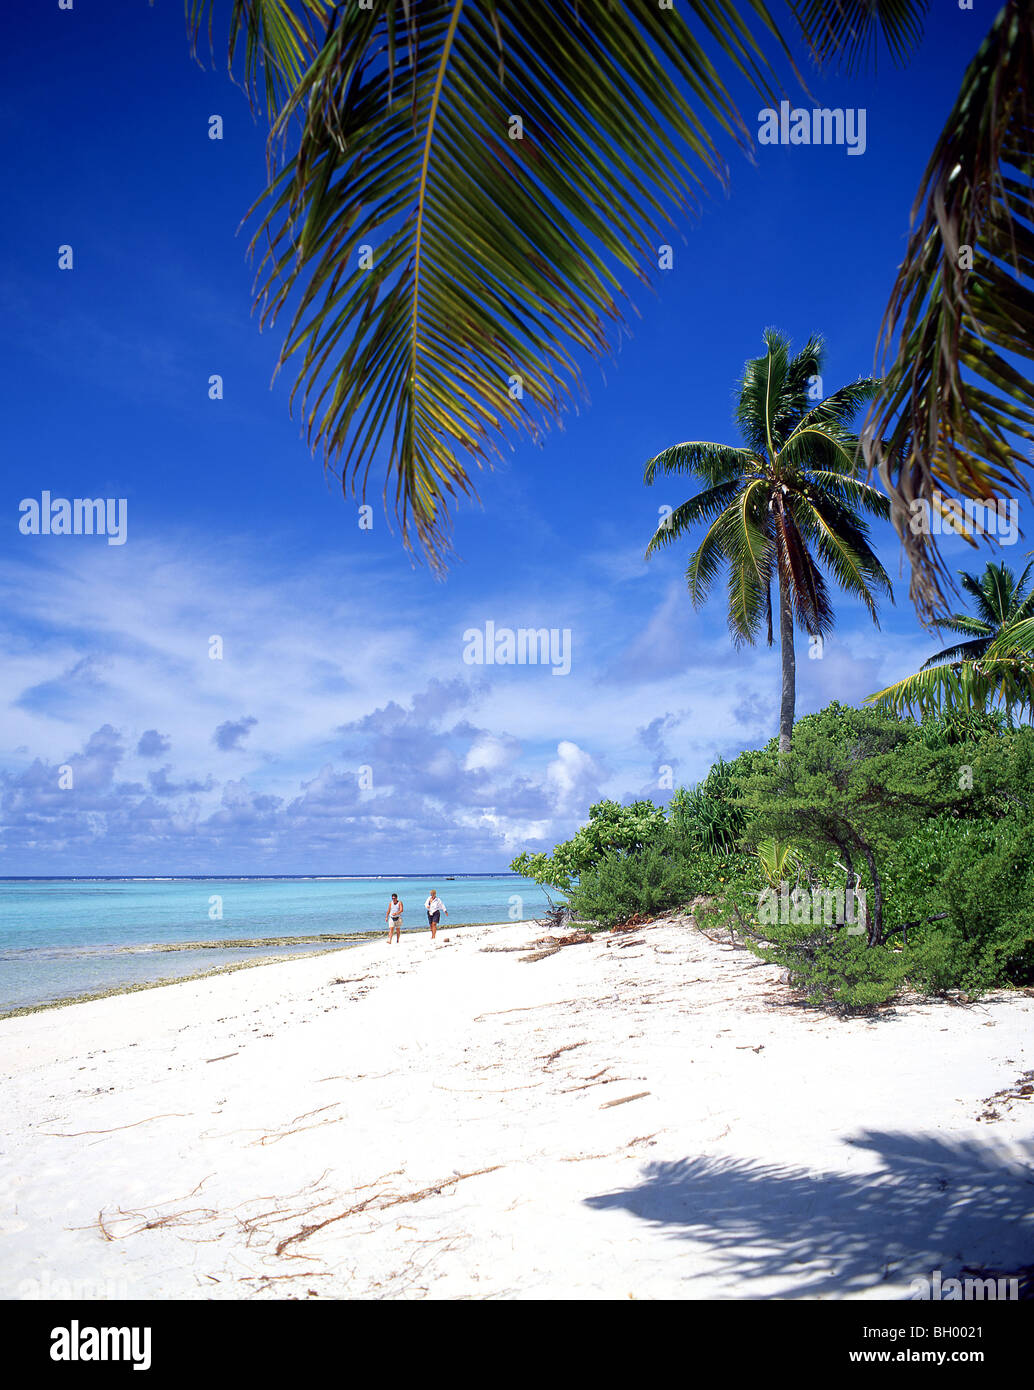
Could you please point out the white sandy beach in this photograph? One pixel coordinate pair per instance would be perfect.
(646, 1116)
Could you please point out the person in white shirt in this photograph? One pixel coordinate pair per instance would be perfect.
(434, 906)
(394, 916)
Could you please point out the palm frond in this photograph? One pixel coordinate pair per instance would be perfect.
(955, 408)
(851, 491)
(702, 507)
(967, 685)
(277, 40)
(445, 277)
(799, 576)
(803, 368)
(758, 404)
(850, 30)
(715, 462)
(998, 590)
(842, 405)
(1017, 639)
(709, 556)
(966, 626)
(749, 556)
(962, 651)
(825, 447)
(841, 541)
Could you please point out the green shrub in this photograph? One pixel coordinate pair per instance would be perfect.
(707, 814)
(620, 886)
(612, 829)
(832, 967)
(988, 939)
(939, 814)
(666, 875)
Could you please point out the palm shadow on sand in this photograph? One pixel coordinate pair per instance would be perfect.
(934, 1204)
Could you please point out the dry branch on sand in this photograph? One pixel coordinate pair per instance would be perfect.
(568, 1047)
(173, 1218)
(636, 921)
(552, 944)
(604, 1081)
(435, 1190)
(1021, 1089)
(524, 1008)
(171, 1115)
(608, 1104)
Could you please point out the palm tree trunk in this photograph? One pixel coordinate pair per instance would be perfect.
(786, 707)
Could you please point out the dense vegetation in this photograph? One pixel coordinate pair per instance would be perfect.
(879, 854)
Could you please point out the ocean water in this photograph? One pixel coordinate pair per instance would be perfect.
(63, 937)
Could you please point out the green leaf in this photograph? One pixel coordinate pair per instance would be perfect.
(497, 262)
(955, 411)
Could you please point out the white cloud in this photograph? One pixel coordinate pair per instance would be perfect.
(573, 775)
(330, 669)
(489, 753)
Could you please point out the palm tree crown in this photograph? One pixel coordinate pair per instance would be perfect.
(1001, 600)
(780, 507)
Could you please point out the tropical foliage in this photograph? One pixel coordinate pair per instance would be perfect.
(931, 821)
(462, 191)
(610, 829)
(992, 666)
(778, 859)
(781, 506)
(957, 406)
(642, 858)
(707, 815)
(492, 262)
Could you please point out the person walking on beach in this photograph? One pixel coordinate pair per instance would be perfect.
(434, 906)
(394, 916)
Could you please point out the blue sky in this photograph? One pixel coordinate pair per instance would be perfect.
(342, 730)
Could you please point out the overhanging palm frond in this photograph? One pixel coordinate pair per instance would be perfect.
(955, 408)
(475, 184)
(849, 30)
(277, 40)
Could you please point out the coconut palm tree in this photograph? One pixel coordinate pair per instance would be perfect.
(461, 191)
(993, 665)
(777, 508)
